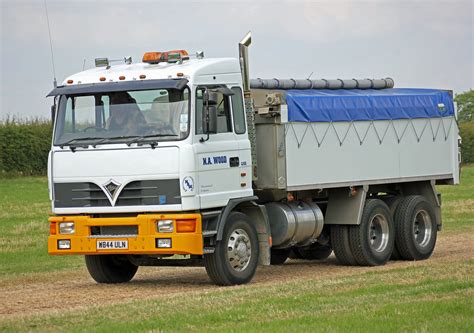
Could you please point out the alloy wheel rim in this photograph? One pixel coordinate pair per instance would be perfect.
(239, 250)
(422, 228)
(378, 233)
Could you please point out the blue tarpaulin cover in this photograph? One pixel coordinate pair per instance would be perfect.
(358, 105)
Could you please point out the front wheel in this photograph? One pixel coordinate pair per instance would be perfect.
(235, 257)
(110, 268)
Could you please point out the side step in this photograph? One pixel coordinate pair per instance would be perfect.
(209, 233)
(208, 250)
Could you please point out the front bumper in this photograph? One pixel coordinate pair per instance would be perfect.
(144, 242)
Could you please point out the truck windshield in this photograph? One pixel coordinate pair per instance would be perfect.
(161, 114)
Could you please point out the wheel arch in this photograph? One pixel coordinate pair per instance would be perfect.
(256, 213)
(428, 190)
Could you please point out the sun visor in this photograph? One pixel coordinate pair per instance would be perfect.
(92, 88)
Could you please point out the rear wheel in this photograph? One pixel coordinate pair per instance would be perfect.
(416, 229)
(110, 268)
(392, 203)
(340, 245)
(235, 257)
(372, 241)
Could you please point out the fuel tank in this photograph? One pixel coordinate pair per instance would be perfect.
(294, 223)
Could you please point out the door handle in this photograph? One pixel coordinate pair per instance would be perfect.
(234, 162)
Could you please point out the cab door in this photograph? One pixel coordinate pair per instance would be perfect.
(219, 156)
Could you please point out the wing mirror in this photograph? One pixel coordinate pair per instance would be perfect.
(210, 99)
(53, 113)
(210, 112)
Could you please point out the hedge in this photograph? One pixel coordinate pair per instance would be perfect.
(467, 145)
(24, 147)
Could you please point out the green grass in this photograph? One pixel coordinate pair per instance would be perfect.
(458, 202)
(434, 297)
(24, 228)
(415, 299)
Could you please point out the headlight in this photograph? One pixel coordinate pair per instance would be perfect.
(164, 226)
(66, 228)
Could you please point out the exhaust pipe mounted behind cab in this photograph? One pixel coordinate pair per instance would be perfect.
(244, 61)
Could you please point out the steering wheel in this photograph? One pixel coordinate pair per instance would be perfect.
(97, 128)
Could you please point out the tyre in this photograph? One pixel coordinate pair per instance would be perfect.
(279, 256)
(110, 268)
(315, 251)
(235, 257)
(416, 229)
(392, 203)
(340, 245)
(372, 241)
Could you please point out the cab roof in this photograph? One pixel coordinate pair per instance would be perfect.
(144, 71)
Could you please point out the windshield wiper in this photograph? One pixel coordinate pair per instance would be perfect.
(130, 138)
(72, 143)
(148, 139)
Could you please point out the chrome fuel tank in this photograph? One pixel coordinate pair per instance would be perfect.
(294, 223)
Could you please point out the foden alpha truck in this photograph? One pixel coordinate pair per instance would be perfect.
(183, 160)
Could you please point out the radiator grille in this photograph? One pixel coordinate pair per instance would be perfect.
(136, 193)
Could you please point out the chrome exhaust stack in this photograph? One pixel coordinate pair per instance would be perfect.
(244, 61)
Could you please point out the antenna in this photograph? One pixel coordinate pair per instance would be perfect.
(84, 64)
(55, 83)
(309, 76)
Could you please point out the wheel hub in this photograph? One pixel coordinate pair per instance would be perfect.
(422, 228)
(378, 233)
(239, 250)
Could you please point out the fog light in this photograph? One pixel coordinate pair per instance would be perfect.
(64, 244)
(164, 226)
(163, 243)
(66, 228)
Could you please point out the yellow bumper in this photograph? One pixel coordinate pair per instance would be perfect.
(145, 242)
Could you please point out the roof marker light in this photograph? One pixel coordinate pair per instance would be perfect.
(121, 77)
(179, 74)
(102, 78)
(143, 76)
(70, 81)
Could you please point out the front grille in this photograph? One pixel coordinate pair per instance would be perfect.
(136, 193)
(79, 195)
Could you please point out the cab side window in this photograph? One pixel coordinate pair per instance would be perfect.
(238, 111)
(224, 121)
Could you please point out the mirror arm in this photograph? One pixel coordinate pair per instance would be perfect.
(202, 140)
(206, 100)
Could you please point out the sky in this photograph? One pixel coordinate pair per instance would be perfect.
(419, 43)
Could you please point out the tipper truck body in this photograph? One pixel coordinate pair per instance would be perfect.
(185, 161)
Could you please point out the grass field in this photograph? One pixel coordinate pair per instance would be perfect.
(44, 293)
